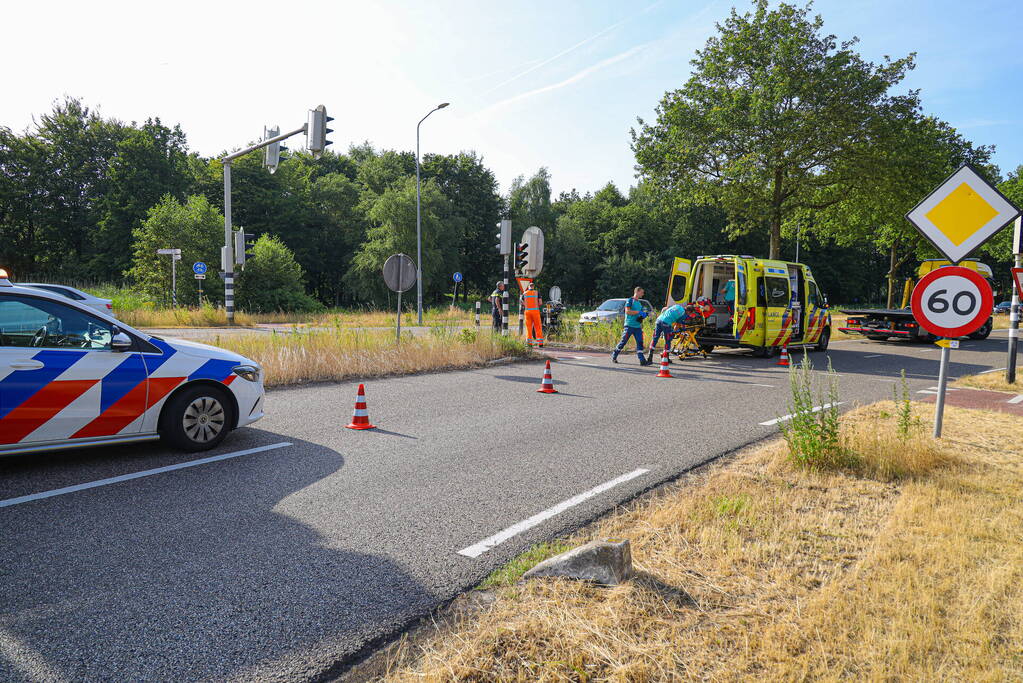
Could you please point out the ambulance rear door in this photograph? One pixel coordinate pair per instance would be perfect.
(678, 280)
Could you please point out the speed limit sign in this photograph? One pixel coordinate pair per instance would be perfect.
(952, 301)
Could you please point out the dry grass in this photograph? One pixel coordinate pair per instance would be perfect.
(993, 381)
(754, 569)
(206, 316)
(338, 354)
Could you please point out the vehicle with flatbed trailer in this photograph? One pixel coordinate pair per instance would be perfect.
(882, 324)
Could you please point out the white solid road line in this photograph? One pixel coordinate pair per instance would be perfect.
(137, 475)
(816, 409)
(874, 355)
(1016, 399)
(754, 384)
(985, 372)
(486, 544)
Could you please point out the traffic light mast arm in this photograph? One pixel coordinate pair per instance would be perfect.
(259, 145)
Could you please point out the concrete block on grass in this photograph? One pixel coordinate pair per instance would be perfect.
(607, 563)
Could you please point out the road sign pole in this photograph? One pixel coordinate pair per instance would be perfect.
(174, 281)
(939, 405)
(477, 314)
(1010, 366)
(504, 297)
(228, 248)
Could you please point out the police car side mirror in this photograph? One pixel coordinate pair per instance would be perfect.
(120, 341)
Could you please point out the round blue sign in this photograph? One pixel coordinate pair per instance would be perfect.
(199, 268)
(457, 277)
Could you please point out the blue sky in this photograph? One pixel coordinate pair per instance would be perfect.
(531, 84)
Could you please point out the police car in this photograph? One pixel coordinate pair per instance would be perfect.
(71, 376)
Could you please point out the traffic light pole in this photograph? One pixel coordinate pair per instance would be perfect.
(227, 258)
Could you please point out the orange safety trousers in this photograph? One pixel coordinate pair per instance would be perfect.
(534, 328)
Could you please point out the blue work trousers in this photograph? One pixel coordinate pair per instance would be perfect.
(636, 332)
(662, 330)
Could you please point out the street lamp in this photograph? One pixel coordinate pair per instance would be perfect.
(419, 228)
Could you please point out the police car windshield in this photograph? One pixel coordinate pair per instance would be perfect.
(612, 305)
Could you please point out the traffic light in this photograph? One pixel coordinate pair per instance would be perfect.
(503, 245)
(521, 255)
(243, 245)
(272, 153)
(316, 130)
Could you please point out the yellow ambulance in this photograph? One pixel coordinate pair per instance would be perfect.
(759, 304)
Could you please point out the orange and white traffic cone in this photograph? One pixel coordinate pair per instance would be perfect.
(547, 383)
(360, 419)
(664, 372)
(784, 360)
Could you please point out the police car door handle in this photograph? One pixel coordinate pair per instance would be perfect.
(27, 364)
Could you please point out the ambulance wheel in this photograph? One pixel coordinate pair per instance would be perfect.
(197, 418)
(984, 332)
(822, 343)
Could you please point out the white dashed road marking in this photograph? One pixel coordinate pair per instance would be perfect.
(816, 409)
(500, 537)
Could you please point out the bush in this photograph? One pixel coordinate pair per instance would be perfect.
(812, 434)
(272, 281)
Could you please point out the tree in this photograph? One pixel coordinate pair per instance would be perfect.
(529, 202)
(922, 152)
(394, 231)
(196, 228)
(767, 121)
(272, 280)
(148, 163)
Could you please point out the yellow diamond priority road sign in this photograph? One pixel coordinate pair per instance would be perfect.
(962, 213)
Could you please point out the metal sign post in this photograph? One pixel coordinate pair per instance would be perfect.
(399, 275)
(1017, 289)
(175, 255)
(950, 302)
(457, 277)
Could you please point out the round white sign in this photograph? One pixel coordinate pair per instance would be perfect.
(952, 302)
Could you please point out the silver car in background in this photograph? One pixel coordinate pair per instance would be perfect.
(102, 305)
(612, 310)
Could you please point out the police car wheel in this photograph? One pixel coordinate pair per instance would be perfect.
(197, 419)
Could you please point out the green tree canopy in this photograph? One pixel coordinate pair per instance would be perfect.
(768, 121)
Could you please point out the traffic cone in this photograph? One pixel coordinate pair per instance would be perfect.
(664, 372)
(784, 360)
(547, 384)
(360, 419)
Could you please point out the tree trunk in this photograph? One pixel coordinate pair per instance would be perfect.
(892, 265)
(775, 249)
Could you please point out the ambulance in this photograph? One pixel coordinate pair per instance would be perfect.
(73, 376)
(759, 304)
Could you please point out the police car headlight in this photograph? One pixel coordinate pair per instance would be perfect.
(249, 372)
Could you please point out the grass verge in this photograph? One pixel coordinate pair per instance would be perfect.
(992, 381)
(334, 355)
(758, 568)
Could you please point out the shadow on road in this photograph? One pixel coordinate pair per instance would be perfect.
(198, 574)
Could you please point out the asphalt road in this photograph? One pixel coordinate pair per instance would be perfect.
(281, 563)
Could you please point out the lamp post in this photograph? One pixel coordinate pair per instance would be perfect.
(419, 228)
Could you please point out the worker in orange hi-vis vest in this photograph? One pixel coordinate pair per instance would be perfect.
(534, 327)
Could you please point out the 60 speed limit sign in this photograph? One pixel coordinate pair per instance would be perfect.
(952, 301)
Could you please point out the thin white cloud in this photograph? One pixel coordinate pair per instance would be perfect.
(571, 49)
(575, 78)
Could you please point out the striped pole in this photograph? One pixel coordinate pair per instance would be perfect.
(228, 259)
(504, 299)
(477, 314)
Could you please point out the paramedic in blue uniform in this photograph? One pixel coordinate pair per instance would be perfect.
(634, 315)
